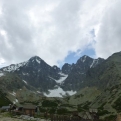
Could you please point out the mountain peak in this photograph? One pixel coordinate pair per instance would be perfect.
(36, 58)
(84, 58)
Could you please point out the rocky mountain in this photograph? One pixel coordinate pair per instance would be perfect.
(77, 72)
(106, 74)
(37, 74)
(11, 82)
(34, 72)
(101, 88)
(66, 68)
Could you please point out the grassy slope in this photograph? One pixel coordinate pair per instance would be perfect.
(4, 100)
(87, 94)
(107, 78)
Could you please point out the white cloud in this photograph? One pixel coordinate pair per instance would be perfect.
(52, 29)
(109, 35)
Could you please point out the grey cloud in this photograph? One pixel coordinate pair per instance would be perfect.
(109, 35)
(49, 29)
(15, 23)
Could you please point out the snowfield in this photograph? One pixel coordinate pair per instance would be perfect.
(58, 91)
(62, 78)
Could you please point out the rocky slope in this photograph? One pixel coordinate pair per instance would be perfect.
(77, 75)
(105, 75)
(102, 88)
(34, 72)
(38, 74)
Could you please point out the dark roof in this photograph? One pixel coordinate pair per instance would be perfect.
(5, 107)
(29, 106)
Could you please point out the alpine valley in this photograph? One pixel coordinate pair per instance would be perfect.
(89, 83)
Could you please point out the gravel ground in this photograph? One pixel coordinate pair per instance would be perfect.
(5, 117)
(9, 119)
(14, 119)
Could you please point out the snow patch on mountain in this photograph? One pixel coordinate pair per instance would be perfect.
(51, 78)
(15, 101)
(38, 61)
(24, 81)
(13, 93)
(38, 92)
(14, 67)
(71, 92)
(94, 62)
(1, 74)
(58, 92)
(62, 78)
(84, 59)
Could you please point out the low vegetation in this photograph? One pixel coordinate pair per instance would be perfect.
(48, 103)
(3, 100)
(117, 104)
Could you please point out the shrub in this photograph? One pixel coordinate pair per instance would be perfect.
(62, 111)
(103, 112)
(117, 104)
(48, 103)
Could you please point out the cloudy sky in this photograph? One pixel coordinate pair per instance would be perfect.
(58, 30)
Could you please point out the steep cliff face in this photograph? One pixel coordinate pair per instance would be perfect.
(37, 73)
(77, 75)
(66, 68)
(102, 88)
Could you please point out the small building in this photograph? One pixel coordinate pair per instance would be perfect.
(17, 109)
(118, 117)
(29, 109)
(5, 108)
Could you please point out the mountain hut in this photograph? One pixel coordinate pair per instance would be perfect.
(29, 109)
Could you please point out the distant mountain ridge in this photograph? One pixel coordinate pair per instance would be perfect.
(84, 62)
(37, 73)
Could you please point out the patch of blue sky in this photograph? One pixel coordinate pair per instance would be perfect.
(74, 56)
